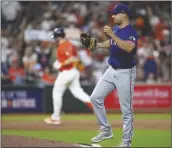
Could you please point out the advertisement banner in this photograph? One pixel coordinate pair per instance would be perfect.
(145, 96)
(21, 100)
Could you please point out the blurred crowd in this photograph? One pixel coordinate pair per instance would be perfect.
(31, 62)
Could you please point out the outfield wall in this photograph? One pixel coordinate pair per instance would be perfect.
(18, 99)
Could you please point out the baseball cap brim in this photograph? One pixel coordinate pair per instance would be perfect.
(110, 11)
(113, 12)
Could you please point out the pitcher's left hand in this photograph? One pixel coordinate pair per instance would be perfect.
(108, 30)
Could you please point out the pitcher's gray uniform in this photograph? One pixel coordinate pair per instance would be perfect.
(120, 75)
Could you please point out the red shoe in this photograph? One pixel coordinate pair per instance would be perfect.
(51, 121)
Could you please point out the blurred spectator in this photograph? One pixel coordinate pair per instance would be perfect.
(140, 73)
(43, 54)
(11, 14)
(29, 60)
(151, 78)
(86, 65)
(145, 50)
(32, 68)
(53, 48)
(165, 66)
(5, 51)
(4, 75)
(152, 20)
(159, 28)
(37, 10)
(47, 22)
(16, 73)
(150, 69)
(10, 10)
(85, 57)
(48, 78)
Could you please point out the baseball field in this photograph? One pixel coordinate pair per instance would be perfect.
(21, 130)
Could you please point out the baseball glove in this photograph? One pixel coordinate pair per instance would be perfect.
(88, 41)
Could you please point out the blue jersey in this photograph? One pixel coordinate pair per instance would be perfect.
(118, 57)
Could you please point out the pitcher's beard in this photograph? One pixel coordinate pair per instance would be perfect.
(117, 23)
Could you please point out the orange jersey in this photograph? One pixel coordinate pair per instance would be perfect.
(48, 78)
(65, 51)
(13, 72)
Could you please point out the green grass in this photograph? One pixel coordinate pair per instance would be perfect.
(142, 138)
(80, 117)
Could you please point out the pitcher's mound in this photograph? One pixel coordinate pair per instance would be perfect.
(21, 141)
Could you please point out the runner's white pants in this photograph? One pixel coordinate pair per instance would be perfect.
(67, 79)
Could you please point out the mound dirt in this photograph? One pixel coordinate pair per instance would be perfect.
(21, 141)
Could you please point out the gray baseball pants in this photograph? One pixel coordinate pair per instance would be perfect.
(123, 80)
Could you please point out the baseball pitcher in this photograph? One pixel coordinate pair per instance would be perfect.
(120, 75)
(68, 76)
